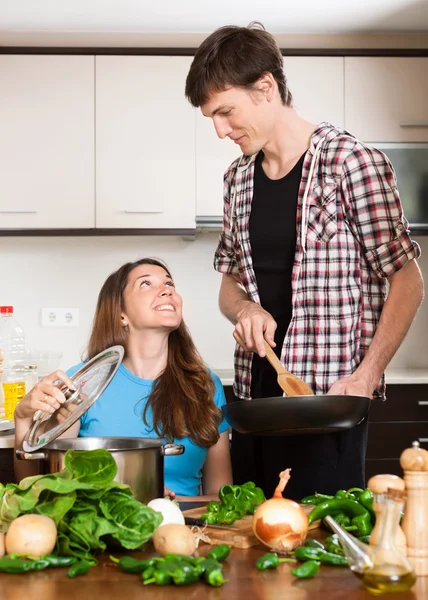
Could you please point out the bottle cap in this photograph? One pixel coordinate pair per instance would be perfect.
(6, 309)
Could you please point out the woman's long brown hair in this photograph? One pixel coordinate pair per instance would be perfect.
(182, 399)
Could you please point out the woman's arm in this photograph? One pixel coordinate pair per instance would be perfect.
(217, 471)
(45, 396)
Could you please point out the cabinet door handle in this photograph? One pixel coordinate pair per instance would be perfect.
(423, 402)
(423, 440)
(18, 212)
(144, 212)
(414, 124)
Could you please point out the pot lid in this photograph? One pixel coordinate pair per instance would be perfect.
(90, 382)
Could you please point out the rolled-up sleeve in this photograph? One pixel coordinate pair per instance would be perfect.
(374, 212)
(224, 257)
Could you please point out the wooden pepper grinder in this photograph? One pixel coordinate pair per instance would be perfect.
(379, 485)
(414, 462)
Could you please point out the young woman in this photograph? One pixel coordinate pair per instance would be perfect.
(162, 389)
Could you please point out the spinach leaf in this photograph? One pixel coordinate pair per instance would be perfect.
(95, 468)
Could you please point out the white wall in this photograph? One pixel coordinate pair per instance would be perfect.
(39, 272)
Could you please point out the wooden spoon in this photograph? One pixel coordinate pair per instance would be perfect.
(289, 383)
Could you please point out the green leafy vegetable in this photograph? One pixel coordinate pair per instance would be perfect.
(88, 507)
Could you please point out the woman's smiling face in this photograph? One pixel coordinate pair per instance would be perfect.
(150, 300)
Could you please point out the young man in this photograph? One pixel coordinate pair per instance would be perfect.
(313, 232)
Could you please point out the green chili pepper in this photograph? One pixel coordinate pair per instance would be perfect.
(333, 545)
(160, 577)
(366, 499)
(80, 568)
(213, 572)
(220, 552)
(14, 565)
(363, 524)
(19, 565)
(342, 520)
(128, 564)
(335, 560)
(147, 574)
(304, 553)
(349, 507)
(340, 494)
(59, 561)
(308, 569)
(271, 561)
(355, 492)
(316, 499)
(184, 577)
(314, 544)
(214, 577)
(39, 565)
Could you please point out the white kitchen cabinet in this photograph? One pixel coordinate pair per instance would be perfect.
(145, 143)
(46, 142)
(316, 84)
(386, 99)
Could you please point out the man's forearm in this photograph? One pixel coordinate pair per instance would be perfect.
(405, 296)
(232, 298)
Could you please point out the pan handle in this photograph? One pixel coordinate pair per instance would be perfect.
(30, 455)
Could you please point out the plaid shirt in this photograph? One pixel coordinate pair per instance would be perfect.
(351, 236)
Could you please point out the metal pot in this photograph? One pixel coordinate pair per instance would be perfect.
(139, 461)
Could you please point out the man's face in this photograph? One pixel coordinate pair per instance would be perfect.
(241, 115)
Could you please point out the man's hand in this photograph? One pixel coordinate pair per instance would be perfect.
(353, 385)
(253, 326)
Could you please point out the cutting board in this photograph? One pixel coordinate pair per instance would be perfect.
(239, 534)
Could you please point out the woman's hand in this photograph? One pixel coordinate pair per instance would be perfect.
(45, 396)
(167, 492)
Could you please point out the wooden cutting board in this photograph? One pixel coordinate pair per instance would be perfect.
(240, 534)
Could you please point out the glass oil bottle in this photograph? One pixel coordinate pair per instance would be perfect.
(391, 571)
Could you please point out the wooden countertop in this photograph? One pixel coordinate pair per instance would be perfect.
(244, 581)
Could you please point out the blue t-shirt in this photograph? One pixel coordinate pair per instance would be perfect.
(119, 412)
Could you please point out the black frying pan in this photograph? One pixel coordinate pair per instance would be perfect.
(296, 415)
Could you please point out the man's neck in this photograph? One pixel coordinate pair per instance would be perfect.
(290, 139)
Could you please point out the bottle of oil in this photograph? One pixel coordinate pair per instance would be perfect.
(391, 571)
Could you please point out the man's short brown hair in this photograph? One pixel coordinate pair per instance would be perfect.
(238, 57)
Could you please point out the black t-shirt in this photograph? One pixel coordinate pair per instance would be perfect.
(273, 244)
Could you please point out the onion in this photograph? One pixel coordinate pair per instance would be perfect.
(169, 510)
(31, 534)
(280, 524)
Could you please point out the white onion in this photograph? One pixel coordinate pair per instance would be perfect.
(169, 510)
(279, 523)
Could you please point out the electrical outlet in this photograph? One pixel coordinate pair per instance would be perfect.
(60, 317)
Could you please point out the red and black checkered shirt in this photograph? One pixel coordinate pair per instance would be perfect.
(354, 236)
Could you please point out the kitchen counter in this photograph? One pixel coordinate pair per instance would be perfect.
(7, 441)
(243, 581)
